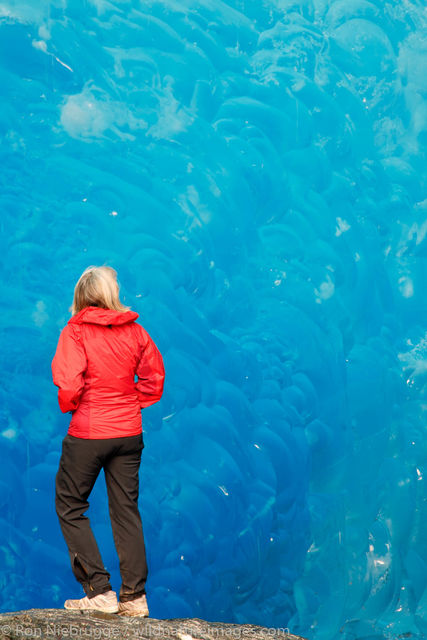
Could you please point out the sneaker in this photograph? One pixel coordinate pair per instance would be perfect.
(136, 607)
(106, 602)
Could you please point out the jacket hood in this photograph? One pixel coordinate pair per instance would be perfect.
(96, 315)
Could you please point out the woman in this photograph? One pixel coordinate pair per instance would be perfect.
(99, 352)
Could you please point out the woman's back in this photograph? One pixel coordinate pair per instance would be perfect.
(99, 352)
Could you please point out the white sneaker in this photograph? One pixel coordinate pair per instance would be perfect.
(106, 602)
(136, 607)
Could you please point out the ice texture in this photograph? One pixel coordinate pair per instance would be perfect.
(255, 170)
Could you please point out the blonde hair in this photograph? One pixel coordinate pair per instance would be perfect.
(97, 287)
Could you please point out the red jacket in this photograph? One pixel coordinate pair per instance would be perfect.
(99, 353)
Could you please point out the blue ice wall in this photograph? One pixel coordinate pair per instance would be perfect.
(256, 173)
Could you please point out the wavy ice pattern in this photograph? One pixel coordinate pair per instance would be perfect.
(256, 172)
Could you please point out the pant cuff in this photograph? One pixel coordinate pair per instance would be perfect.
(97, 591)
(128, 597)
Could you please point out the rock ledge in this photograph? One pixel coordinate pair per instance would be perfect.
(93, 625)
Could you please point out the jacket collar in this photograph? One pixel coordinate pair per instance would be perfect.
(97, 315)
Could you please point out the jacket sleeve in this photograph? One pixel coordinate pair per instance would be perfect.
(68, 367)
(150, 372)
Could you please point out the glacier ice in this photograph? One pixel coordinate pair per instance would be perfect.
(255, 171)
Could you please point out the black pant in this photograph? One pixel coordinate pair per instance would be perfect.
(80, 464)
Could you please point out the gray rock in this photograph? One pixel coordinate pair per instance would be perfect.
(93, 625)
